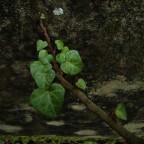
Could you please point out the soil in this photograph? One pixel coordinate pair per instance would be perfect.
(109, 37)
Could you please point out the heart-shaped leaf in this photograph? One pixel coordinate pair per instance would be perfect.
(42, 53)
(121, 112)
(42, 16)
(42, 74)
(65, 49)
(59, 44)
(44, 79)
(81, 84)
(41, 45)
(73, 63)
(60, 58)
(44, 57)
(48, 102)
(37, 66)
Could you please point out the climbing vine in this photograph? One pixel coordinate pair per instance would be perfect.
(48, 97)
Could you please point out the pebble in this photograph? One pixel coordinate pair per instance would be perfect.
(86, 132)
(10, 128)
(56, 123)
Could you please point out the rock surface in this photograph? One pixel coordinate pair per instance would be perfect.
(108, 35)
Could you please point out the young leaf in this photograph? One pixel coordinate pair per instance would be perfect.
(65, 49)
(41, 45)
(60, 58)
(73, 63)
(48, 102)
(81, 84)
(42, 53)
(44, 57)
(42, 16)
(121, 112)
(59, 44)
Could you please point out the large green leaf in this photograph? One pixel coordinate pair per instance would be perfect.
(73, 63)
(42, 74)
(121, 111)
(48, 102)
(44, 79)
(37, 66)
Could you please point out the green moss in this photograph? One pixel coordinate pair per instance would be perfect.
(52, 140)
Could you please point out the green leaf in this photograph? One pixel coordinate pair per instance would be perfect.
(44, 57)
(121, 112)
(50, 102)
(44, 79)
(65, 49)
(42, 53)
(73, 63)
(42, 16)
(50, 57)
(81, 84)
(41, 45)
(42, 74)
(59, 44)
(37, 66)
(60, 58)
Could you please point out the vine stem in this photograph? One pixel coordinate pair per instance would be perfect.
(51, 48)
(129, 137)
(47, 36)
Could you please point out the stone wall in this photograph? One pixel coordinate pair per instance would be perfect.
(108, 34)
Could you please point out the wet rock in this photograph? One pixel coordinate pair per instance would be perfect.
(136, 127)
(108, 35)
(86, 132)
(21, 68)
(55, 123)
(140, 114)
(10, 128)
(28, 117)
(77, 107)
(112, 87)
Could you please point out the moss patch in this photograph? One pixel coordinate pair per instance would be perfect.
(55, 140)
